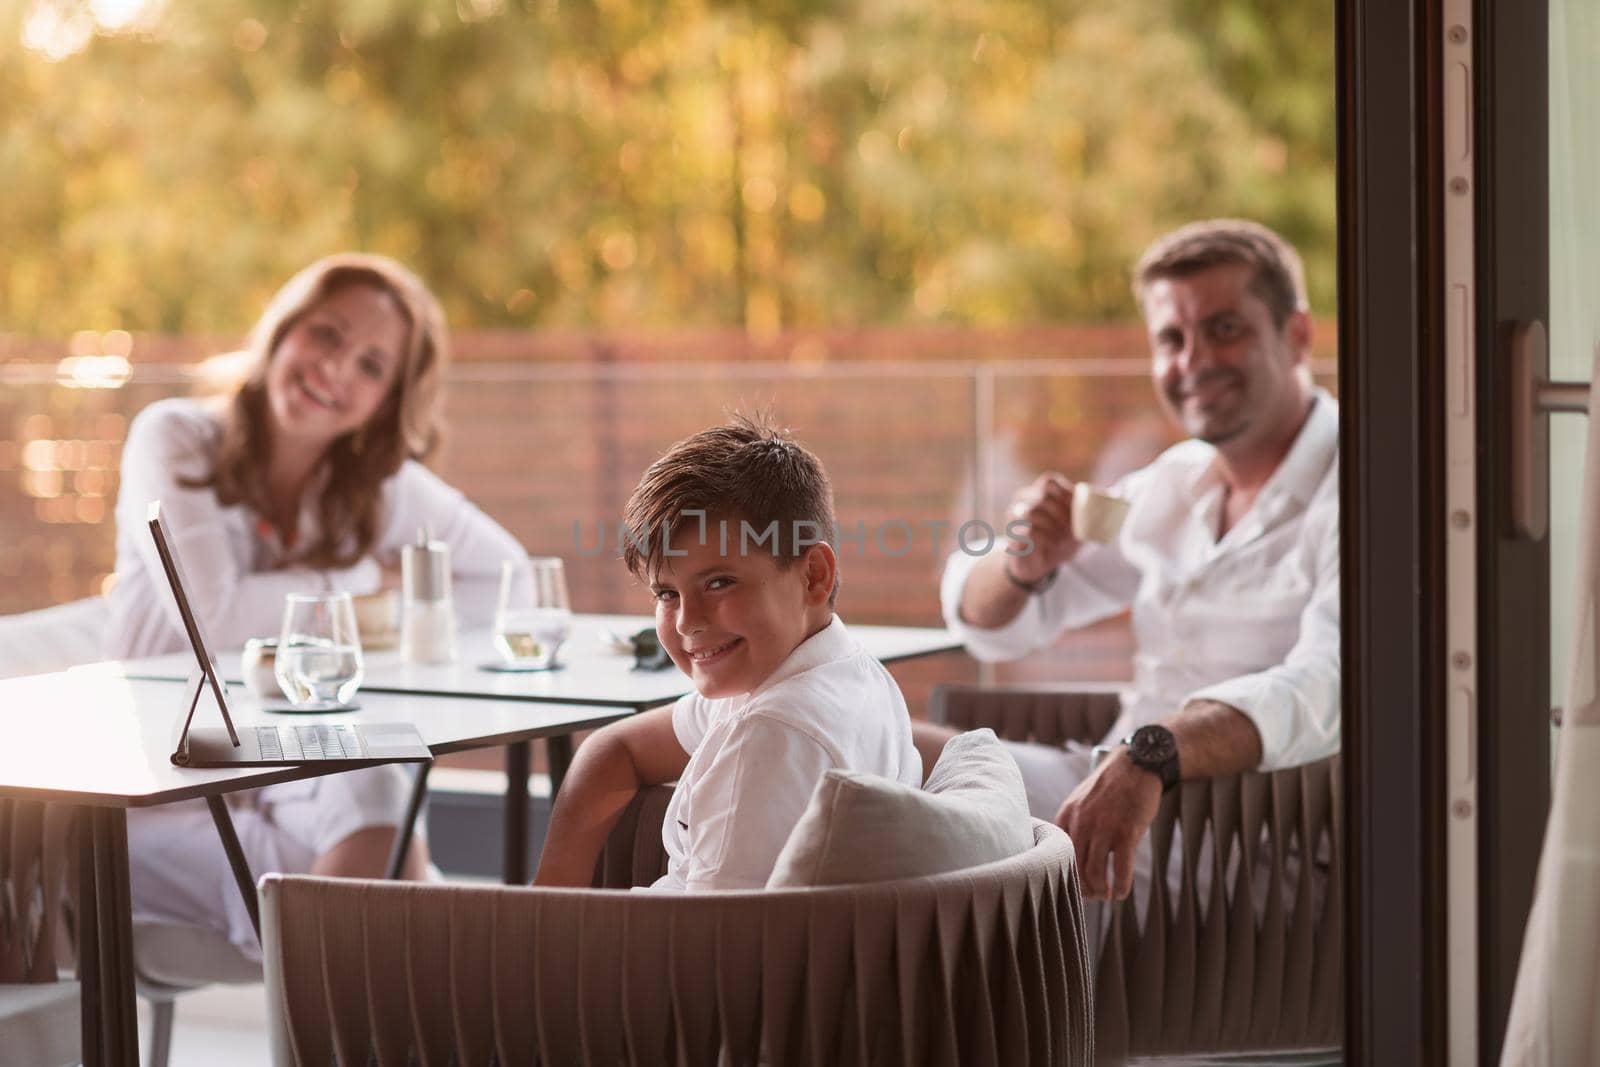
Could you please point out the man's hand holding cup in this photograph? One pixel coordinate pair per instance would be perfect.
(1039, 529)
(1050, 519)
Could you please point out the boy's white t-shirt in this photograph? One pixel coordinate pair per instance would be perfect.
(755, 759)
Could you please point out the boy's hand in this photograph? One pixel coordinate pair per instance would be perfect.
(1041, 510)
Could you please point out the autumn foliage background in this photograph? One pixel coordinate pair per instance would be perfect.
(905, 226)
(616, 163)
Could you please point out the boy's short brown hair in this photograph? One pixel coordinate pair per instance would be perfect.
(747, 472)
(1279, 277)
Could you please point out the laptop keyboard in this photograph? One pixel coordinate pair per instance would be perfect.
(303, 744)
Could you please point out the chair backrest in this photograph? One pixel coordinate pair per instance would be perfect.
(35, 843)
(54, 638)
(633, 853)
(983, 966)
(1046, 715)
(39, 1020)
(1255, 964)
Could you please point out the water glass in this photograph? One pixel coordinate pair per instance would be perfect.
(534, 616)
(319, 651)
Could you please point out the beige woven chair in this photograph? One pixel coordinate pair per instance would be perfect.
(1253, 967)
(982, 966)
(39, 1021)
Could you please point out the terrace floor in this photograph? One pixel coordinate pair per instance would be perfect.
(219, 1026)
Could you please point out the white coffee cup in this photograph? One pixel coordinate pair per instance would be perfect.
(1096, 516)
(378, 618)
(257, 667)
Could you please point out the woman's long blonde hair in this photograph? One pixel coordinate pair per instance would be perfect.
(406, 426)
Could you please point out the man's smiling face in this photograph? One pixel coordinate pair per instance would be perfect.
(1222, 368)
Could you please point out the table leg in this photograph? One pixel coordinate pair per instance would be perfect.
(402, 839)
(558, 752)
(88, 911)
(516, 820)
(236, 860)
(109, 1028)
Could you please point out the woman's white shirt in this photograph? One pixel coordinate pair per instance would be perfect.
(237, 575)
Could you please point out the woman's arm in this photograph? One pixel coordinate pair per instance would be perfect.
(609, 768)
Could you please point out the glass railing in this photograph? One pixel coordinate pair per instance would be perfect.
(923, 453)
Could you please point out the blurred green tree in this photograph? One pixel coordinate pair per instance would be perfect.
(626, 163)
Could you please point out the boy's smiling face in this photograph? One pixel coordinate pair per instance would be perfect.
(729, 620)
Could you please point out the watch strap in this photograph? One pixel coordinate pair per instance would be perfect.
(1035, 587)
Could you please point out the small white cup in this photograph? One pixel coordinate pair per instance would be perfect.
(378, 619)
(1096, 516)
(257, 667)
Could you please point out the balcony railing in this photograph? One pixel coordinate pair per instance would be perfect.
(922, 448)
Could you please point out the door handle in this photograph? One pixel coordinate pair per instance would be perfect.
(1534, 397)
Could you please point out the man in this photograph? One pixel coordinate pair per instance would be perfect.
(1228, 558)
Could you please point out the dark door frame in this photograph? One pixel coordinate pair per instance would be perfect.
(1392, 377)
(1391, 343)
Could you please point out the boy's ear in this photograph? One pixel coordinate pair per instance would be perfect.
(821, 571)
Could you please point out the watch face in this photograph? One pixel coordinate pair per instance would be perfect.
(1152, 746)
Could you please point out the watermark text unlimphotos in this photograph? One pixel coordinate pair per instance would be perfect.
(894, 537)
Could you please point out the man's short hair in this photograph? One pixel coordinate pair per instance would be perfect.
(1279, 278)
(748, 471)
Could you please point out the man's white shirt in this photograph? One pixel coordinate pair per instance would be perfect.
(1250, 620)
(755, 759)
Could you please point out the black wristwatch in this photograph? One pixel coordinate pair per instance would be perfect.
(1155, 749)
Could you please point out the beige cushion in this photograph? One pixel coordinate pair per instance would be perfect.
(863, 828)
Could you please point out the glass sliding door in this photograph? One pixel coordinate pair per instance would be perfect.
(1449, 687)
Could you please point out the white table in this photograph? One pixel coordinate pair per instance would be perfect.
(591, 672)
(592, 675)
(102, 742)
(100, 739)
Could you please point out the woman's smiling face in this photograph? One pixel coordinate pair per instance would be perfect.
(336, 365)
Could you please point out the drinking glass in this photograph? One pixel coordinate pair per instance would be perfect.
(534, 616)
(319, 651)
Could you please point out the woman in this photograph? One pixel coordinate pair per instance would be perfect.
(308, 478)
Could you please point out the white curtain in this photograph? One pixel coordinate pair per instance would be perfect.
(1555, 1012)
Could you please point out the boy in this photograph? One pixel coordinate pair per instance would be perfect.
(732, 530)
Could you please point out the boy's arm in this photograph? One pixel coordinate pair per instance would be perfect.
(609, 768)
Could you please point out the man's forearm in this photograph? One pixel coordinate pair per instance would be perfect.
(598, 787)
(990, 600)
(1214, 739)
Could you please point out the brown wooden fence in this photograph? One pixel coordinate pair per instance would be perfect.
(921, 431)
